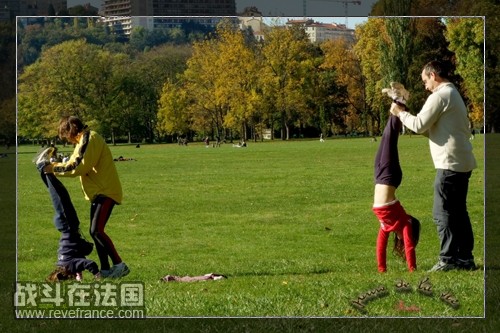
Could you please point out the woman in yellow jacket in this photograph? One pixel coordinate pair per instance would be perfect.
(93, 163)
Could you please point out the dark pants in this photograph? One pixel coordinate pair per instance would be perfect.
(100, 211)
(451, 216)
(387, 168)
(71, 243)
(65, 218)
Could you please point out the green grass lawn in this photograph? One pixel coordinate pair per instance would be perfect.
(289, 223)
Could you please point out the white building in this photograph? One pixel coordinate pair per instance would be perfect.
(251, 18)
(320, 32)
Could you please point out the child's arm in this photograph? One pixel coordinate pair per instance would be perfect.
(382, 239)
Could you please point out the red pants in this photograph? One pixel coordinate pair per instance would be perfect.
(393, 218)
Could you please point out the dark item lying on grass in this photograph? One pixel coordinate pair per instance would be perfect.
(209, 276)
(121, 158)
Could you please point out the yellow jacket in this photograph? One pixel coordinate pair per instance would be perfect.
(93, 162)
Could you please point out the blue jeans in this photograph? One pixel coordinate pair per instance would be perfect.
(65, 218)
(451, 216)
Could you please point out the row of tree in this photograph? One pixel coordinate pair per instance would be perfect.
(37, 33)
(231, 85)
(288, 83)
(348, 73)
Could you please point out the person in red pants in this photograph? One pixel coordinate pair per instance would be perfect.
(386, 207)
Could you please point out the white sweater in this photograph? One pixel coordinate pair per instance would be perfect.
(443, 119)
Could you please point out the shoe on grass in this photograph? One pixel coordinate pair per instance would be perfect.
(466, 264)
(105, 273)
(443, 266)
(119, 270)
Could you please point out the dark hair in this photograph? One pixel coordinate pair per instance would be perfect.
(61, 273)
(399, 245)
(70, 127)
(438, 68)
(415, 230)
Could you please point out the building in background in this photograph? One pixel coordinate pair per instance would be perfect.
(194, 7)
(251, 19)
(124, 15)
(320, 32)
(9, 9)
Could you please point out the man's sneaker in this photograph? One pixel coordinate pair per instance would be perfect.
(119, 270)
(467, 264)
(444, 266)
(43, 157)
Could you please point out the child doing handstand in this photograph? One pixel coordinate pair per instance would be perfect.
(73, 248)
(386, 206)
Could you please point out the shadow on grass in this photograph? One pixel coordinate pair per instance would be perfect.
(269, 273)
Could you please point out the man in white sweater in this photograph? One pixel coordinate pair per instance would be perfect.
(443, 119)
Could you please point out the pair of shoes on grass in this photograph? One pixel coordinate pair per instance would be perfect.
(117, 271)
(459, 264)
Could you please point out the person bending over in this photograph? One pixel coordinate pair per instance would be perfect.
(93, 163)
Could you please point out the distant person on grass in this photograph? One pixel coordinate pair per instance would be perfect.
(93, 163)
(443, 119)
(386, 206)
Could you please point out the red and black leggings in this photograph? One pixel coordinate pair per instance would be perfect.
(100, 212)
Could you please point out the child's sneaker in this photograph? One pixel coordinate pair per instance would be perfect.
(105, 273)
(119, 270)
(43, 157)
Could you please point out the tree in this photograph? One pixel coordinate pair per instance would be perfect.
(328, 99)
(466, 37)
(220, 79)
(486, 8)
(150, 70)
(340, 57)
(238, 79)
(70, 78)
(173, 117)
(284, 54)
(429, 43)
(80, 10)
(369, 48)
(7, 82)
(34, 37)
(398, 49)
(201, 79)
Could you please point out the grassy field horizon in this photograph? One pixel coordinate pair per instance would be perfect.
(288, 222)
